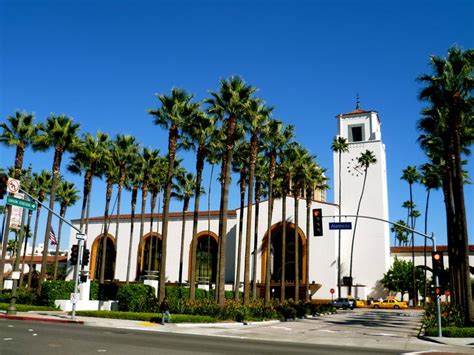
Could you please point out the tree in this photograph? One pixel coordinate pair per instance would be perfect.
(87, 158)
(447, 134)
(110, 170)
(255, 119)
(199, 132)
(171, 116)
(229, 105)
(400, 233)
(149, 159)
(43, 183)
(339, 146)
(276, 137)
(132, 183)
(124, 150)
(431, 179)
(365, 160)
(59, 132)
(184, 191)
(67, 196)
(399, 277)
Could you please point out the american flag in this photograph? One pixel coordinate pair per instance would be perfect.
(52, 237)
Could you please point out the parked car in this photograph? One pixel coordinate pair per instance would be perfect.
(343, 303)
(359, 303)
(389, 303)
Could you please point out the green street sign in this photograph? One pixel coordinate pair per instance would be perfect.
(21, 203)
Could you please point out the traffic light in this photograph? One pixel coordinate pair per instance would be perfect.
(317, 222)
(83, 277)
(74, 254)
(85, 257)
(3, 185)
(437, 262)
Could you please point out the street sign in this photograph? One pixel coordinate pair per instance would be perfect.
(21, 203)
(340, 225)
(13, 185)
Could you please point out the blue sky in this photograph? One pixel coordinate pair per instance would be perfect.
(101, 62)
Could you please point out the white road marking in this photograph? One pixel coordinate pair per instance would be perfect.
(30, 330)
(101, 350)
(327, 330)
(284, 328)
(11, 326)
(6, 339)
(35, 334)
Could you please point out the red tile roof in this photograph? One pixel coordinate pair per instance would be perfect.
(355, 112)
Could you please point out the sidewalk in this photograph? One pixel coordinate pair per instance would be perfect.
(464, 345)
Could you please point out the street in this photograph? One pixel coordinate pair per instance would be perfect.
(23, 337)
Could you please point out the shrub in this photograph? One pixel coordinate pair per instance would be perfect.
(55, 290)
(452, 332)
(286, 310)
(136, 298)
(149, 317)
(451, 315)
(27, 307)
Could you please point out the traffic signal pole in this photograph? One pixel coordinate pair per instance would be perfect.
(426, 236)
(80, 237)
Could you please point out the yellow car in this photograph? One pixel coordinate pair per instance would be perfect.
(389, 303)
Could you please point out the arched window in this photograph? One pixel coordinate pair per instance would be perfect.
(96, 258)
(150, 255)
(206, 258)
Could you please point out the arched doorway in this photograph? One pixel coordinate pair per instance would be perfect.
(96, 258)
(290, 257)
(206, 258)
(150, 257)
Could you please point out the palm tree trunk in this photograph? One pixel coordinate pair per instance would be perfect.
(226, 168)
(108, 197)
(28, 226)
(183, 233)
(243, 177)
(150, 243)
(35, 233)
(425, 289)
(248, 230)
(258, 188)
(197, 193)
(117, 217)
(172, 144)
(132, 224)
(283, 248)
(56, 166)
(142, 224)
(297, 261)
(269, 243)
(62, 213)
(354, 232)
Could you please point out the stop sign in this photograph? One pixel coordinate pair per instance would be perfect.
(332, 290)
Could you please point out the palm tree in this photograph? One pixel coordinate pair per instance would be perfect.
(184, 191)
(171, 115)
(431, 179)
(229, 105)
(255, 120)
(124, 150)
(277, 136)
(448, 124)
(409, 205)
(43, 182)
(199, 131)
(132, 183)
(411, 175)
(149, 159)
(59, 132)
(339, 146)
(240, 164)
(67, 196)
(365, 160)
(400, 234)
(20, 131)
(110, 170)
(87, 158)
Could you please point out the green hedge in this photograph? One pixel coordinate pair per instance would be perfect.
(452, 332)
(136, 298)
(55, 290)
(27, 307)
(24, 296)
(148, 317)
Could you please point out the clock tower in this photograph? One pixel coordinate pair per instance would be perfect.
(371, 256)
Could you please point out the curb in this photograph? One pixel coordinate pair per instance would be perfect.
(40, 319)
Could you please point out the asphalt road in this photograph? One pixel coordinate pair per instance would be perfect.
(24, 337)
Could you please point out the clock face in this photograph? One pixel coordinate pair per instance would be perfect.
(353, 168)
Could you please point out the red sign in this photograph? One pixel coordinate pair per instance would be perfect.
(332, 290)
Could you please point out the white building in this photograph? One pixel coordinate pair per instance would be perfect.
(318, 255)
